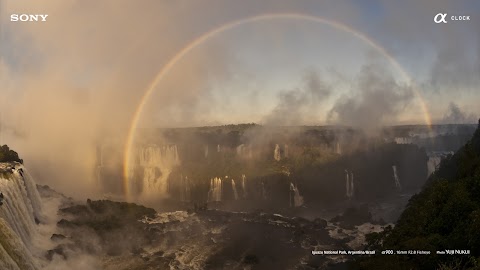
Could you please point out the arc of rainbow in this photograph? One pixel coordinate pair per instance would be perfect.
(201, 39)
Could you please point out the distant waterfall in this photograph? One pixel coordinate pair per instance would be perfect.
(295, 198)
(100, 155)
(395, 177)
(149, 179)
(286, 150)
(234, 187)
(240, 149)
(264, 192)
(205, 151)
(99, 166)
(158, 156)
(338, 150)
(276, 153)
(156, 163)
(21, 206)
(432, 164)
(350, 187)
(215, 192)
(219, 148)
(185, 190)
(244, 188)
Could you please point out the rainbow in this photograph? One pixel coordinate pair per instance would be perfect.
(203, 38)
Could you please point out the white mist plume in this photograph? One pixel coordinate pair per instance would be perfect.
(375, 101)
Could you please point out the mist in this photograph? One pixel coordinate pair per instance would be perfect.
(296, 105)
(262, 134)
(455, 115)
(72, 83)
(375, 100)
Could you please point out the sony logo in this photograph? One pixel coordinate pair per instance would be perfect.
(28, 17)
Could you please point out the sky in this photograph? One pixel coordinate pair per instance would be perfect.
(242, 74)
(67, 82)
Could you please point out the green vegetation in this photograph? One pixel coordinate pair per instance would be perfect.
(104, 216)
(115, 225)
(8, 155)
(444, 216)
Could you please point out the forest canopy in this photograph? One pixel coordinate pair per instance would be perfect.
(8, 155)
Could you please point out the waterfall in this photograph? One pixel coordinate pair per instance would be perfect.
(98, 174)
(395, 177)
(100, 155)
(206, 151)
(234, 187)
(264, 192)
(18, 214)
(352, 184)
(185, 191)
(337, 149)
(32, 192)
(350, 188)
(295, 198)
(286, 150)
(156, 163)
(432, 164)
(219, 148)
(215, 192)
(244, 188)
(158, 156)
(241, 149)
(276, 153)
(152, 184)
(98, 169)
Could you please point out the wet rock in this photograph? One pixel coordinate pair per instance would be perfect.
(59, 250)
(322, 223)
(353, 217)
(250, 259)
(57, 237)
(65, 223)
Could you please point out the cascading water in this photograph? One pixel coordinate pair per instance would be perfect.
(215, 192)
(185, 191)
(244, 187)
(295, 198)
(395, 177)
(18, 214)
(157, 156)
(150, 180)
(100, 155)
(276, 153)
(350, 187)
(234, 187)
(99, 166)
(338, 150)
(205, 153)
(241, 150)
(432, 164)
(264, 192)
(219, 148)
(156, 163)
(32, 192)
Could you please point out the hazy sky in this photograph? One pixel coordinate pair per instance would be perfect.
(102, 55)
(67, 82)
